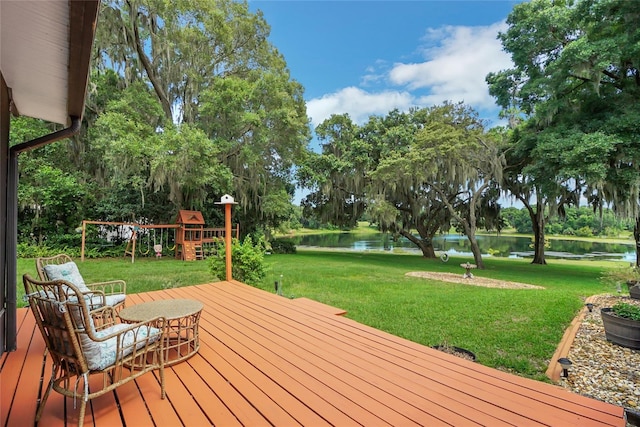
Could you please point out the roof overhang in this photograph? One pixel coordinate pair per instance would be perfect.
(45, 52)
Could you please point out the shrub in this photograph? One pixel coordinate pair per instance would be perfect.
(283, 246)
(584, 232)
(247, 260)
(28, 250)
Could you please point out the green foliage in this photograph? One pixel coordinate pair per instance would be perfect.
(186, 162)
(25, 129)
(627, 311)
(572, 101)
(407, 171)
(210, 70)
(248, 264)
(582, 221)
(199, 104)
(585, 231)
(29, 250)
(49, 200)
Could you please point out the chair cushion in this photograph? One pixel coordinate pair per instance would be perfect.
(102, 354)
(114, 299)
(95, 301)
(67, 271)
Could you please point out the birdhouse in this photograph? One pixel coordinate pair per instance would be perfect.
(226, 200)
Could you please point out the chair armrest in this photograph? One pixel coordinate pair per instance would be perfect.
(104, 317)
(156, 323)
(110, 287)
(129, 345)
(95, 300)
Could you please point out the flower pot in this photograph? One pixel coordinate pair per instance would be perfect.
(621, 331)
(634, 291)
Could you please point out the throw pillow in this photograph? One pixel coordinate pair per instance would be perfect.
(67, 271)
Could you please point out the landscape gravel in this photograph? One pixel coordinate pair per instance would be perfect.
(600, 369)
(471, 281)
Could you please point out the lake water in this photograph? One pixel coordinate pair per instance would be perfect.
(453, 244)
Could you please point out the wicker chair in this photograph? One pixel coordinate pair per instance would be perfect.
(80, 347)
(53, 268)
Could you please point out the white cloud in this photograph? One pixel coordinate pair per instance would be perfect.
(457, 60)
(456, 67)
(358, 103)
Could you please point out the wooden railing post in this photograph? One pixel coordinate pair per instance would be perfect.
(84, 235)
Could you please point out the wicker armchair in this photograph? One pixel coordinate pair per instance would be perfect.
(80, 347)
(61, 266)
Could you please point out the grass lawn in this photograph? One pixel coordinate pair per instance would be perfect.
(509, 329)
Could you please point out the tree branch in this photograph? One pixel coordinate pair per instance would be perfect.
(146, 63)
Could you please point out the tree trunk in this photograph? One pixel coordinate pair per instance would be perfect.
(538, 255)
(425, 245)
(469, 223)
(636, 236)
(475, 249)
(537, 220)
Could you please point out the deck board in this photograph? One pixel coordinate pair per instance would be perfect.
(19, 405)
(269, 360)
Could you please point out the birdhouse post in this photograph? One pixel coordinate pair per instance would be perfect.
(227, 201)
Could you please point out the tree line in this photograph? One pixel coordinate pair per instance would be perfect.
(189, 100)
(571, 104)
(577, 221)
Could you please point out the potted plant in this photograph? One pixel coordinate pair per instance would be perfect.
(628, 275)
(622, 324)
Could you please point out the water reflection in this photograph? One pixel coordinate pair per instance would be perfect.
(453, 244)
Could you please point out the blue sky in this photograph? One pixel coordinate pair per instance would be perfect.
(369, 57)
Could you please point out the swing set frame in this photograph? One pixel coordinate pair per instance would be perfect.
(131, 243)
(209, 234)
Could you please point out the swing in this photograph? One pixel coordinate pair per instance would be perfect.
(174, 240)
(157, 248)
(148, 245)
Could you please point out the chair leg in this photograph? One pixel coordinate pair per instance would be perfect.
(163, 392)
(43, 401)
(83, 408)
(40, 408)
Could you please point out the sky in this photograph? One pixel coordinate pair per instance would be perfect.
(370, 57)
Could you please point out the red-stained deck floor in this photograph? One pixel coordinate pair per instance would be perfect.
(268, 360)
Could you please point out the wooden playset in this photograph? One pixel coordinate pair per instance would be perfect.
(190, 236)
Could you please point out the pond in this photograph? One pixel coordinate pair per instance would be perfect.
(454, 244)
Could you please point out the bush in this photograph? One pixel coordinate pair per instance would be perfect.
(283, 246)
(28, 250)
(247, 261)
(584, 232)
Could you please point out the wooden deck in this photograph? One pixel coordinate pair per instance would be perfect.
(268, 360)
